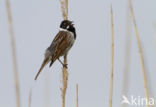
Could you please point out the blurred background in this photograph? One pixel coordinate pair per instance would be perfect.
(35, 24)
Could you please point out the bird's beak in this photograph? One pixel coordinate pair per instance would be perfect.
(72, 23)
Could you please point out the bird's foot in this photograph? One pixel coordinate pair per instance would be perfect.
(65, 65)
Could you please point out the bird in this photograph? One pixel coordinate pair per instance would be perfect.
(60, 45)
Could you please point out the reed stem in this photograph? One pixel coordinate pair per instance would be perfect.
(112, 60)
(140, 54)
(13, 50)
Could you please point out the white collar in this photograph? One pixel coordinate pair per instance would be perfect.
(61, 29)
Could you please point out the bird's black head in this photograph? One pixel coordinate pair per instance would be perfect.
(68, 25)
(65, 24)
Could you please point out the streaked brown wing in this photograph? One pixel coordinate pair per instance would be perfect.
(61, 44)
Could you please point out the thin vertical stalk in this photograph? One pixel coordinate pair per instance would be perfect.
(140, 54)
(30, 97)
(13, 49)
(64, 81)
(64, 7)
(112, 60)
(66, 4)
(77, 95)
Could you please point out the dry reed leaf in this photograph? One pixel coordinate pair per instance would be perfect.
(13, 50)
(140, 54)
(112, 60)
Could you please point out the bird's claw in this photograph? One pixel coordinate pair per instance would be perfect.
(65, 65)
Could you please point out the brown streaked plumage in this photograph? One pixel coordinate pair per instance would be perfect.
(61, 44)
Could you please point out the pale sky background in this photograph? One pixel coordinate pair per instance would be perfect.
(36, 22)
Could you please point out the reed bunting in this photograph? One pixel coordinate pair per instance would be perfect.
(61, 44)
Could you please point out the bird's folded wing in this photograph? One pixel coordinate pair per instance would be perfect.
(61, 44)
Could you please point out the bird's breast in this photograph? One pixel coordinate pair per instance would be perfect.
(71, 40)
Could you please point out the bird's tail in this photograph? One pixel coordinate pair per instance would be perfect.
(46, 60)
